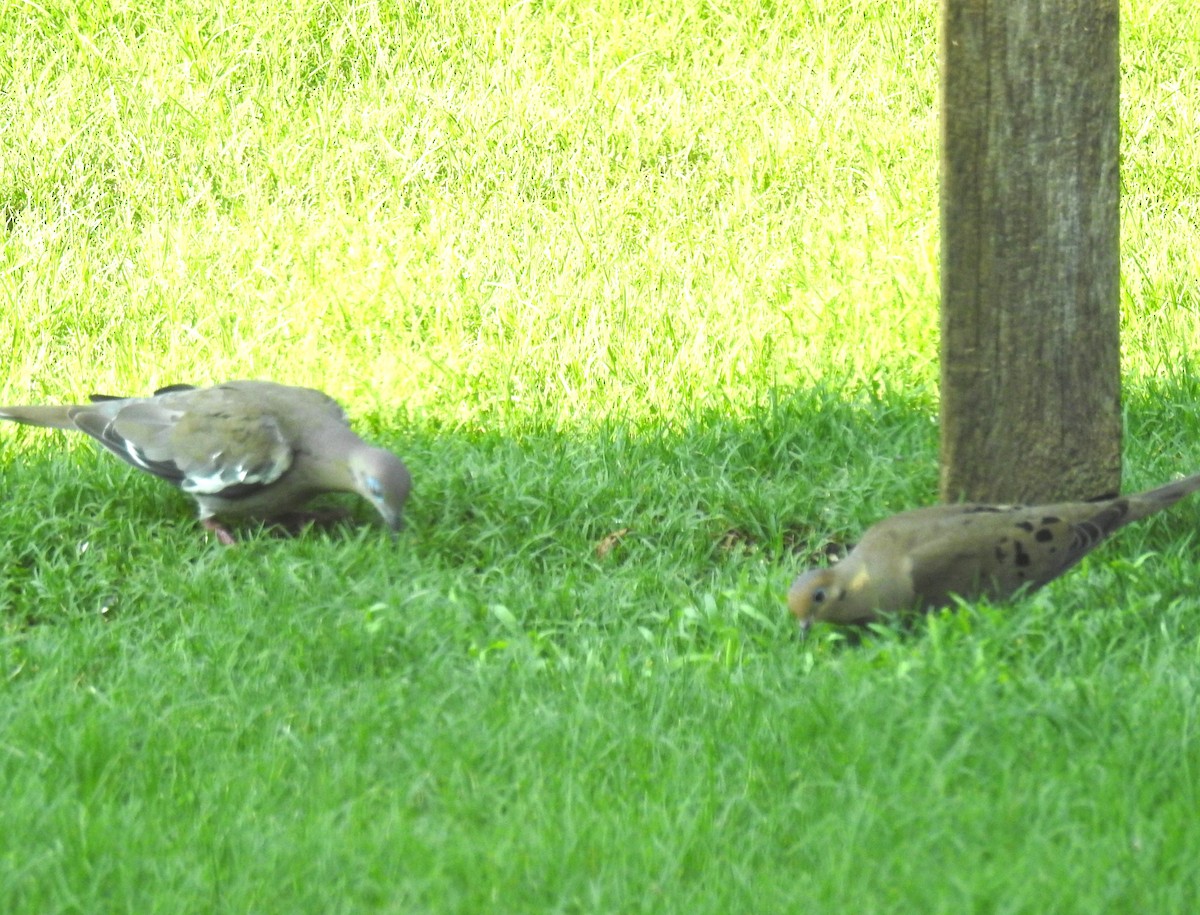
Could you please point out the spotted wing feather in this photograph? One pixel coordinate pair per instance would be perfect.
(999, 551)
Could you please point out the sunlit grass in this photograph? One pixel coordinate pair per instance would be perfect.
(646, 296)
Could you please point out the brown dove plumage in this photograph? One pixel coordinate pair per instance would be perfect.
(917, 560)
(244, 449)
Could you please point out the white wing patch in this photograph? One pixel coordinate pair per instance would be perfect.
(219, 442)
(136, 456)
(222, 472)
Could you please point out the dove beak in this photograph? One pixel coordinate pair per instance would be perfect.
(395, 524)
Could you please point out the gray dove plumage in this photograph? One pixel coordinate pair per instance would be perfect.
(920, 559)
(243, 449)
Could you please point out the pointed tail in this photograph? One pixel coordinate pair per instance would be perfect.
(1153, 500)
(58, 417)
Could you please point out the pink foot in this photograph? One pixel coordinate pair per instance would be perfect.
(218, 530)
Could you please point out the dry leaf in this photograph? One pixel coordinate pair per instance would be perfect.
(609, 543)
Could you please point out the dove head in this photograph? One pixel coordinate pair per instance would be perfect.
(382, 479)
(821, 595)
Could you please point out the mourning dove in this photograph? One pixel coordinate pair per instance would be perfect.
(244, 449)
(917, 560)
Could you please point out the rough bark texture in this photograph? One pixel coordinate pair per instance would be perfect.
(1030, 247)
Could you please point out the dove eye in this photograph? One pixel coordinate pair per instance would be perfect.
(819, 595)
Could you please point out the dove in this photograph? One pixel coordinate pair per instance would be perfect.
(921, 559)
(243, 449)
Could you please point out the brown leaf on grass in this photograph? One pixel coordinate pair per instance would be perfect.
(610, 542)
(735, 540)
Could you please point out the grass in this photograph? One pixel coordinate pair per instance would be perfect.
(615, 276)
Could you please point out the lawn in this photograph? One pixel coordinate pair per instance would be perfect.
(616, 280)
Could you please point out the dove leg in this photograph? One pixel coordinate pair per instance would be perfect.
(218, 530)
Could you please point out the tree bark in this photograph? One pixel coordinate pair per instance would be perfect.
(1030, 350)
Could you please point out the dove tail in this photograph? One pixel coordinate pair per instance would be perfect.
(58, 417)
(1153, 500)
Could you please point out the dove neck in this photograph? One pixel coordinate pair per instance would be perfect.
(333, 459)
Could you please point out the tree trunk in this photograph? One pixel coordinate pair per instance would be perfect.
(1030, 190)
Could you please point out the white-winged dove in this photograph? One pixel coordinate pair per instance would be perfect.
(917, 560)
(244, 449)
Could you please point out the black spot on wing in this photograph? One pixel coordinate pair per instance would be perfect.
(1044, 535)
(1021, 558)
(1026, 526)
